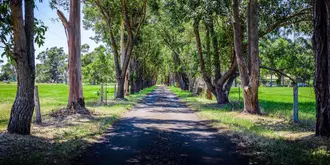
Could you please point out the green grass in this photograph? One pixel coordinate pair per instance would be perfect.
(271, 138)
(57, 140)
(278, 101)
(52, 97)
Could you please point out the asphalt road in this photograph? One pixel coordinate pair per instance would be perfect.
(160, 130)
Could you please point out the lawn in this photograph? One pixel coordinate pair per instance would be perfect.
(59, 140)
(52, 97)
(271, 138)
(278, 102)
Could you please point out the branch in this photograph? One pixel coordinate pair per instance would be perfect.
(126, 18)
(64, 22)
(280, 72)
(63, 19)
(284, 21)
(143, 18)
(232, 70)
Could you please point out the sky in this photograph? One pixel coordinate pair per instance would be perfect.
(55, 35)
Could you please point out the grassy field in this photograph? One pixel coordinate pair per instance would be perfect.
(52, 97)
(271, 138)
(278, 102)
(59, 140)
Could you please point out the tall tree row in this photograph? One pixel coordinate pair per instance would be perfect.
(118, 17)
(321, 41)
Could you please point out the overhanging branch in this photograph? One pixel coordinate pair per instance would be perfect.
(280, 72)
(65, 22)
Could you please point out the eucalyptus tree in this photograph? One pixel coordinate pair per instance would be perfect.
(248, 66)
(76, 102)
(113, 15)
(321, 42)
(19, 30)
(22, 37)
(271, 18)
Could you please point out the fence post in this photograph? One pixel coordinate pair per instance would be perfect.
(115, 92)
(295, 103)
(37, 105)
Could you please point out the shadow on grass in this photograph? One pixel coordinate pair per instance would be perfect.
(32, 150)
(305, 149)
(275, 151)
(61, 149)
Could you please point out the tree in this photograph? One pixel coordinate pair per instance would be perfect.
(76, 102)
(171, 32)
(292, 57)
(248, 68)
(321, 42)
(23, 55)
(8, 72)
(114, 15)
(53, 65)
(97, 66)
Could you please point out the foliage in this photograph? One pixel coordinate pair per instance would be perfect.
(6, 30)
(97, 66)
(292, 57)
(8, 72)
(53, 66)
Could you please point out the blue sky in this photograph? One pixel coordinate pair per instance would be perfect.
(55, 35)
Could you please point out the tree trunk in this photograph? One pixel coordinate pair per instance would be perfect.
(76, 101)
(249, 72)
(101, 94)
(223, 89)
(271, 79)
(321, 43)
(181, 76)
(120, 89)
(206, 77)
(37, 105)
(22, 109)
(208, 94)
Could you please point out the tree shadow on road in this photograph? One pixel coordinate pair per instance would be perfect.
(161, 142)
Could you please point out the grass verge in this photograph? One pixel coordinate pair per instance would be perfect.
(59, 140)
(269, 139)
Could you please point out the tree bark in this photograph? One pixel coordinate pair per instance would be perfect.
(101, 93)
(181, 76)
(321, 43)
(249, 72)
(76, 101)
(22, 109)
